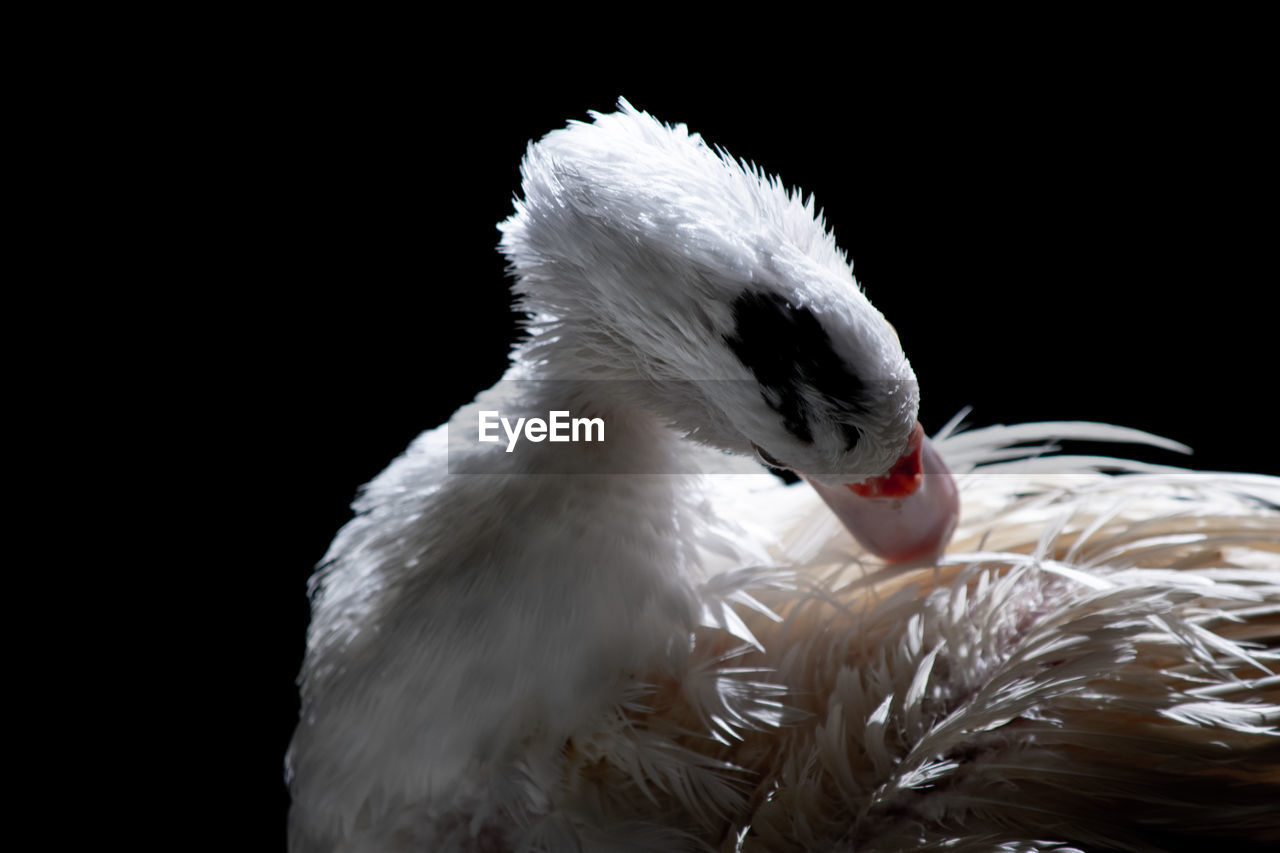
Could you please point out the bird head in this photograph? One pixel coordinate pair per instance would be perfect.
(719, 300)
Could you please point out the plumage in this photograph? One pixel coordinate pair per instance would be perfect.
(652, 644)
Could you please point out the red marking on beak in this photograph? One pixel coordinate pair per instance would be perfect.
(903, 478)
(907, 515)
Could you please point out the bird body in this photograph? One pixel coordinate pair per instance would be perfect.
(482, 621)
(649, 643)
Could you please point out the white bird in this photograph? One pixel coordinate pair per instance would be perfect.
(648, 643)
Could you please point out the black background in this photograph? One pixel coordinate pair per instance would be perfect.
(1071, 238)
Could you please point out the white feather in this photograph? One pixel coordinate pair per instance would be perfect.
(694, 658)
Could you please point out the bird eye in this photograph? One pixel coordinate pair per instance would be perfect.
(766, 458)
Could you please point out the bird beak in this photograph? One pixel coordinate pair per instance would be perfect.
(907, 515)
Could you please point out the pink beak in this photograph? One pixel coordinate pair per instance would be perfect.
(906, 515)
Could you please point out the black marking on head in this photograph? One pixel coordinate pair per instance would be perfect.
(790, 354)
